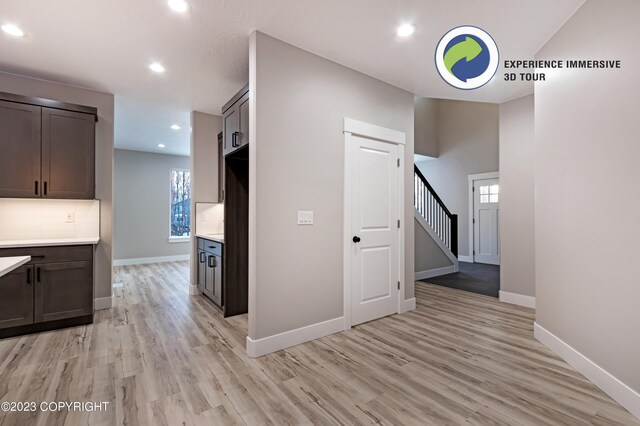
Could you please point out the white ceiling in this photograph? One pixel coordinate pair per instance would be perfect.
(108, 44)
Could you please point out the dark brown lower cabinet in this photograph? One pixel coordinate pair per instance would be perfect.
(53, 290)
(16, 302)
(210, 269)
(61, 290)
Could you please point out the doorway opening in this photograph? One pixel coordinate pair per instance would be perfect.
(480, 271)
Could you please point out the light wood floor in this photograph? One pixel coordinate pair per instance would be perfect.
(161, 357)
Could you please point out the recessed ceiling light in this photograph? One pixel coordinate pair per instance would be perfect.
(405, 30)
(13, 30)
(175, 127)
(179, 6)
(156, 67)
(160, 145)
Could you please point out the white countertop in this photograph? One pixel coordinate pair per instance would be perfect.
(213, 237)
(8, 264)
(49, 242)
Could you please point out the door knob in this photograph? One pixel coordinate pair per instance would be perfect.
(356, 239)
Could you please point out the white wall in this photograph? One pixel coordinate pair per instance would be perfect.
(425, 127)
(142, 200)
(467, 140)
(204, 169)
(104, 102)
(299, 101)
(428, 255)
(517, 198)
(587, 198)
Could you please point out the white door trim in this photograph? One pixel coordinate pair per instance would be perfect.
(360, 128)
(472, 179)
(372, 131)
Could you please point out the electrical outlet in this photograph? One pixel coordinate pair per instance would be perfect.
(305, 217)
(69, 217)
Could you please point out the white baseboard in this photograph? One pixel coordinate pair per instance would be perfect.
(267, 345)
(518, 299)
(436, 272)
(467, 259)
(102, 303)
(407, 305)
(145, 260)
(194, 290)
(609, 384)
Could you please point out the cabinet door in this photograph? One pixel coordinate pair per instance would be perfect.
(243, 110)
(16, 302)
(202, 269)
(208, 276)
(230, 129)
(20, 145)
(63, 290)
(68, 154)
(210, 282)
(217, 285)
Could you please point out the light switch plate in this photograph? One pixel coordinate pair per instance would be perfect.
(305, 217)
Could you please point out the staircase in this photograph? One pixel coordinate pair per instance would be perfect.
(437, 221)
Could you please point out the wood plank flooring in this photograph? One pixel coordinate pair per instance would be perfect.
(162, 357)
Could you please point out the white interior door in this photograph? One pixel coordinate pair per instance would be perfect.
(486, 221)
(374, 225)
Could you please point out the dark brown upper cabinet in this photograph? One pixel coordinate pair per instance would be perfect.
(235, 115)
(48, 149)
(68, 154)
(20, 150)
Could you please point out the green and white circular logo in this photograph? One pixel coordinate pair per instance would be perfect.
(467, 57)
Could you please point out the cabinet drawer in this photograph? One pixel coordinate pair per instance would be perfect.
(212, 247)
(51, 254)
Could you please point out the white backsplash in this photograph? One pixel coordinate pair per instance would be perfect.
(33, 219)
(209, 218)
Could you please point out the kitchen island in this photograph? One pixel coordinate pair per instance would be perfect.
(8, 264)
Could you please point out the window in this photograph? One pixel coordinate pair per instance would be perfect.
(489, 194)
(180, 203)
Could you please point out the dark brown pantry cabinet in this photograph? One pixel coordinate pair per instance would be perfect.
(235, 116)
(53, 290)
(47, 147)
(235, 136)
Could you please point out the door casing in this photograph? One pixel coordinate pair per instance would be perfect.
(359, 128)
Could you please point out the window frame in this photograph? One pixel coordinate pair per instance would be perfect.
(178, 238)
